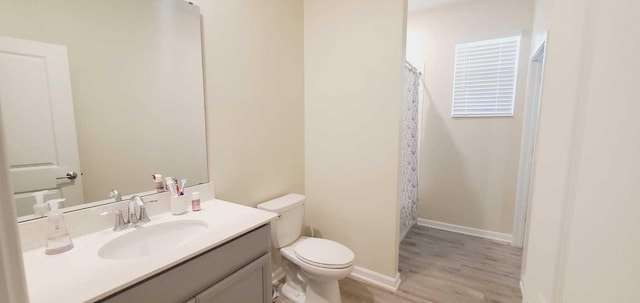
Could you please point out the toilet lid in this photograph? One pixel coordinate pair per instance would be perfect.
(324, 253)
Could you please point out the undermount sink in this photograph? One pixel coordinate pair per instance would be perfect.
(152, 239)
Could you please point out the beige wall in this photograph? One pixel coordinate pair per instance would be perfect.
(254, 97)
(553, 167)
(541, 20)
(354, 52)
(468, 166)
(603, 257)
(582, 246)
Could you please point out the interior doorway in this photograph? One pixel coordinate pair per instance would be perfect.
(527, 150)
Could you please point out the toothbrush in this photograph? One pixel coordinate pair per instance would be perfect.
(183, 181)
(171, 186)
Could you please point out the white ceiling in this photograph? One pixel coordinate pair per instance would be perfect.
(418, 5)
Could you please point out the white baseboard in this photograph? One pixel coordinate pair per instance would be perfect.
(466, 230)
(377, 279)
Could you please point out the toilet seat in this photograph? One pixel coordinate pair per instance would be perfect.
(324, 253)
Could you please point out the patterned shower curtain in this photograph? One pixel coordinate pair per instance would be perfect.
(409, 155)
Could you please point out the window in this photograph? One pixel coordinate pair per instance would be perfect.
(484, 82)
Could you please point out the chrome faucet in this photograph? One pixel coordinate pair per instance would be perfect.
(134, 218)
(115, 194)
(137, 218)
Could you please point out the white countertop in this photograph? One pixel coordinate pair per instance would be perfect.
(80, 275)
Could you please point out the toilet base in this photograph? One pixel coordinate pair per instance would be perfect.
(292, 294)
(327, 292)
(323, 292)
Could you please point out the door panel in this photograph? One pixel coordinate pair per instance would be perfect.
(27, 110)
(38, 117)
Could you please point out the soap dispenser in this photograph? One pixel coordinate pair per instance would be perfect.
(58, 240)
(40, 209)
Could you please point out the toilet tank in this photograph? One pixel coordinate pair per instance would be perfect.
(288, 226)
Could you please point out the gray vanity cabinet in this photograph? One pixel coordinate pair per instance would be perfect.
(238, 271)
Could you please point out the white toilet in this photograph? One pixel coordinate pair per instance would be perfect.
(313, 266)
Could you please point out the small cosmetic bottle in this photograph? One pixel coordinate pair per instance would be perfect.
(157, 179)
(195, 201)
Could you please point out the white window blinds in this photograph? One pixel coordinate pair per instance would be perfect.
(485, 78)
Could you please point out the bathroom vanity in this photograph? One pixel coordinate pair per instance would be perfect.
(237, 271)
(228, 260)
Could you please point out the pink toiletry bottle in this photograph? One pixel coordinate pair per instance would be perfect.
(195, 201)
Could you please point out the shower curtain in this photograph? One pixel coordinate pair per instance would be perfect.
(409, 155)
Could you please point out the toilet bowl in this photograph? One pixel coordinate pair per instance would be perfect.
(312, 266)
(322, 263)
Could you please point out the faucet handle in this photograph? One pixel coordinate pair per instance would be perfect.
(120, 222)
(144, 217)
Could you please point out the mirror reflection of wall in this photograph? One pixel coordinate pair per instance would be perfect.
(122, 77)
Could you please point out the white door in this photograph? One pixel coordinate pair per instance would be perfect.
(38, 118)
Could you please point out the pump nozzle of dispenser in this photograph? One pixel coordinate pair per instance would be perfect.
(40, 209)
(54, 205)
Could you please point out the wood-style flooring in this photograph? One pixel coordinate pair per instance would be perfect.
(445, 267)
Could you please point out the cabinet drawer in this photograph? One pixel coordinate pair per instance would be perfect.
(251, 284)
(183, 281)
